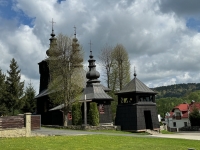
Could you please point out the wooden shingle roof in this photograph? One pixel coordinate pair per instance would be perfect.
(95, 91)
(136, 86)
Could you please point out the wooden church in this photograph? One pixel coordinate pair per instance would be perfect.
(136, 109)
(94, 91)
(43, 103)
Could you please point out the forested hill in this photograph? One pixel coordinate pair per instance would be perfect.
(176, 90)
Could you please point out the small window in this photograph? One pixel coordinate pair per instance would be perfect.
(101, 109)
(185, 124)
(178, 114)
(69, 115)
(174, 124)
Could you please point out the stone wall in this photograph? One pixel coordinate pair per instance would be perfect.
(18, 132)
(15, 132)
(85, 127)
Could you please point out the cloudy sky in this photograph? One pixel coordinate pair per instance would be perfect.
(161, 36)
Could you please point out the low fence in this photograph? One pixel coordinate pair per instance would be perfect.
(18, 126)
(172, 129)
(193, 128)
(35, 122)
(189, 128)
(12, 122)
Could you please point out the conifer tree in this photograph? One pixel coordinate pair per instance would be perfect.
(93, 114)
(30, 102)
(76, 114)
(14, 88)
(3, 109)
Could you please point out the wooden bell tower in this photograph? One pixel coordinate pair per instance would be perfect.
(136, 109)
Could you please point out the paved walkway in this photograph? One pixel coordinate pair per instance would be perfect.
(181, 135)
(63, 132)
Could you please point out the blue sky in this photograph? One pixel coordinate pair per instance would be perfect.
(9, 12)
(161, 37)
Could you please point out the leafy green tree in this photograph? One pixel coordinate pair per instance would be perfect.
(193, 96)
(116, 66)
(66, 72)
(76, 114)
(14, 88)
(120, 67)
(30, 102)
(93, 114)
(3, 108)
(194, 117)
(116, 70)
(167, 104)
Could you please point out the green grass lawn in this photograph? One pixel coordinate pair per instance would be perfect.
(166, 132)
(95, 142)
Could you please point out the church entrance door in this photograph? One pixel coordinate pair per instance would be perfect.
(148, 120)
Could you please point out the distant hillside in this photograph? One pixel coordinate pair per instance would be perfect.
(176, 90)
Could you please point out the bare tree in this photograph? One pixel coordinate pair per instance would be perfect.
(106, 61)
(66, 72)
(116, 66)
(120, 67)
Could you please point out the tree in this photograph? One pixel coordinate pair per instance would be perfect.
(3, 108)
(66, 72)
(30, 103)
(194, 117)
(120, 67)
(93, 114)
(14, 88)
(106, 61)
(116, 66)
(76, 114)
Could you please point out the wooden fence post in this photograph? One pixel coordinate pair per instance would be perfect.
(28, 124)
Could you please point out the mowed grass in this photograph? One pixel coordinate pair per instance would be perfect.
(96, 142)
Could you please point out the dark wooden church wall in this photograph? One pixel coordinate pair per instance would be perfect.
(141, 117)
(126, 117)
(106, 117)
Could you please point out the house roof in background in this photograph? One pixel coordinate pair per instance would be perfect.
(184, 108)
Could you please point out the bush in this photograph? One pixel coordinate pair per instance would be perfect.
(76, 114)
(195, 117)
(93, 114)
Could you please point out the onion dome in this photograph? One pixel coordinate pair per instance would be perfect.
(92, 74)
(53, 51)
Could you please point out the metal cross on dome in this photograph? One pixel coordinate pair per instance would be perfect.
(75, 30)
(90, 47)
(52, 23)
(135, 72)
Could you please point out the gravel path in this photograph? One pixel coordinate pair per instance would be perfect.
(63, 132)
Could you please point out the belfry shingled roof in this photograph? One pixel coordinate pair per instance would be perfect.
(136, 86)
(95, 91)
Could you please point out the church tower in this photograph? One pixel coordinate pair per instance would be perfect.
(43, 102)
(136, 109)
(95, 92)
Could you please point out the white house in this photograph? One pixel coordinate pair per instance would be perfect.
(179, 115)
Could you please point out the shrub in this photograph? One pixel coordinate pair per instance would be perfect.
(93, 114)
(195, 117)
(76, 114)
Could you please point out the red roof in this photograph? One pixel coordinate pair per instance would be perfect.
(193, 105)
(181, 107)
(184, 108)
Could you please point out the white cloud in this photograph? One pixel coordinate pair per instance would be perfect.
(159, 44)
